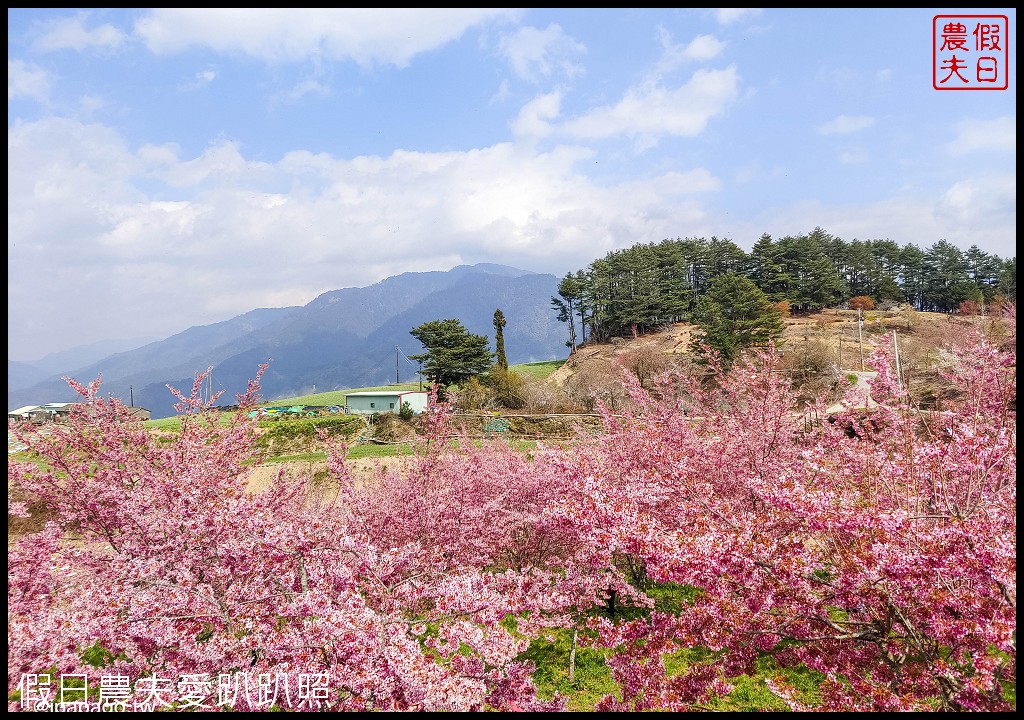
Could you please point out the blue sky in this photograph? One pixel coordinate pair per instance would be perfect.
(176, 167)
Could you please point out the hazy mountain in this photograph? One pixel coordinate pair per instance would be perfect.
(22, 374)
(65, 361)
(343, 338)
(124, 373)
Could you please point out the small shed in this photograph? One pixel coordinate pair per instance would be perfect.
(370, 402)
(32, 413)
(58, 411)
(140, 413)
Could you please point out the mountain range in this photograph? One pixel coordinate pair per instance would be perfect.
(353, 337)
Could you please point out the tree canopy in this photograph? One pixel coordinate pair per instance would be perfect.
(453, 353)
(734, 315)
(647, 285)
(499, 338)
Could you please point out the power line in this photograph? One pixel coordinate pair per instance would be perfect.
(400, 353)
(418, 365)
(411, 362)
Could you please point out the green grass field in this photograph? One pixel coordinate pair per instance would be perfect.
(535, 370)
(538, 370)
(337, 397)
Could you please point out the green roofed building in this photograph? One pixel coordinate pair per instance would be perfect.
(384, 401)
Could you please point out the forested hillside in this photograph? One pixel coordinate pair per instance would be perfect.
(650, 284)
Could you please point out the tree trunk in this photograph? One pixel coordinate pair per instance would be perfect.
(572, 655)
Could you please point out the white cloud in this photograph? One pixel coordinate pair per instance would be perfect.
(998, 134)
(201, 79)
(680, 184)
(159, 242)
(158, 156)
(368, 36)
(845, 124)
(90, 104)
(27, 80)
(970, 205)
(503, 92)
(71, 33)
(533, 120)
(306, 87)
(221, 163)
(539, 54)
(727, 16)
(675, 55)
(977, 211)
(704, 47)
(655, 111)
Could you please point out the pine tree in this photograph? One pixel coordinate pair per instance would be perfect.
(453, 353)
(735, 315)
(570, 290)
(499, 338)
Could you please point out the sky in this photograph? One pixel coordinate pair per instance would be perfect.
(175, 167)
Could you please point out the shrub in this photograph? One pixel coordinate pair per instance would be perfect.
(645, 363)
(969, 307)
(811, 366)
(406, 413)
(282, 433)
(506, 388)
(471, 395)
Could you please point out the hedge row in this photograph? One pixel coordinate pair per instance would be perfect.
(286, 431)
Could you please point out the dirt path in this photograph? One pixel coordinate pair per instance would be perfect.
(859, 396)
(261, 477)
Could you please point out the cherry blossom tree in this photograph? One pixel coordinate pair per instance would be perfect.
(877, 548)
(886, 561)
(177, 573)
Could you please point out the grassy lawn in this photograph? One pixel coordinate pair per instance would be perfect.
(373, 450)
(174, 422)
(538, 370)
(337, 397)
(357, 452)
(593, 679)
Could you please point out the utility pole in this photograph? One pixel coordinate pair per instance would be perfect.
(396, 365)
(896, 354)
(860, 339)
(131, 394)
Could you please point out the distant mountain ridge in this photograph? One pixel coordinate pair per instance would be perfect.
(343, 338)
(23, 374)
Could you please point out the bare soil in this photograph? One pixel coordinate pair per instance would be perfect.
(262, 476)
(821, 351)
(918, 333)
